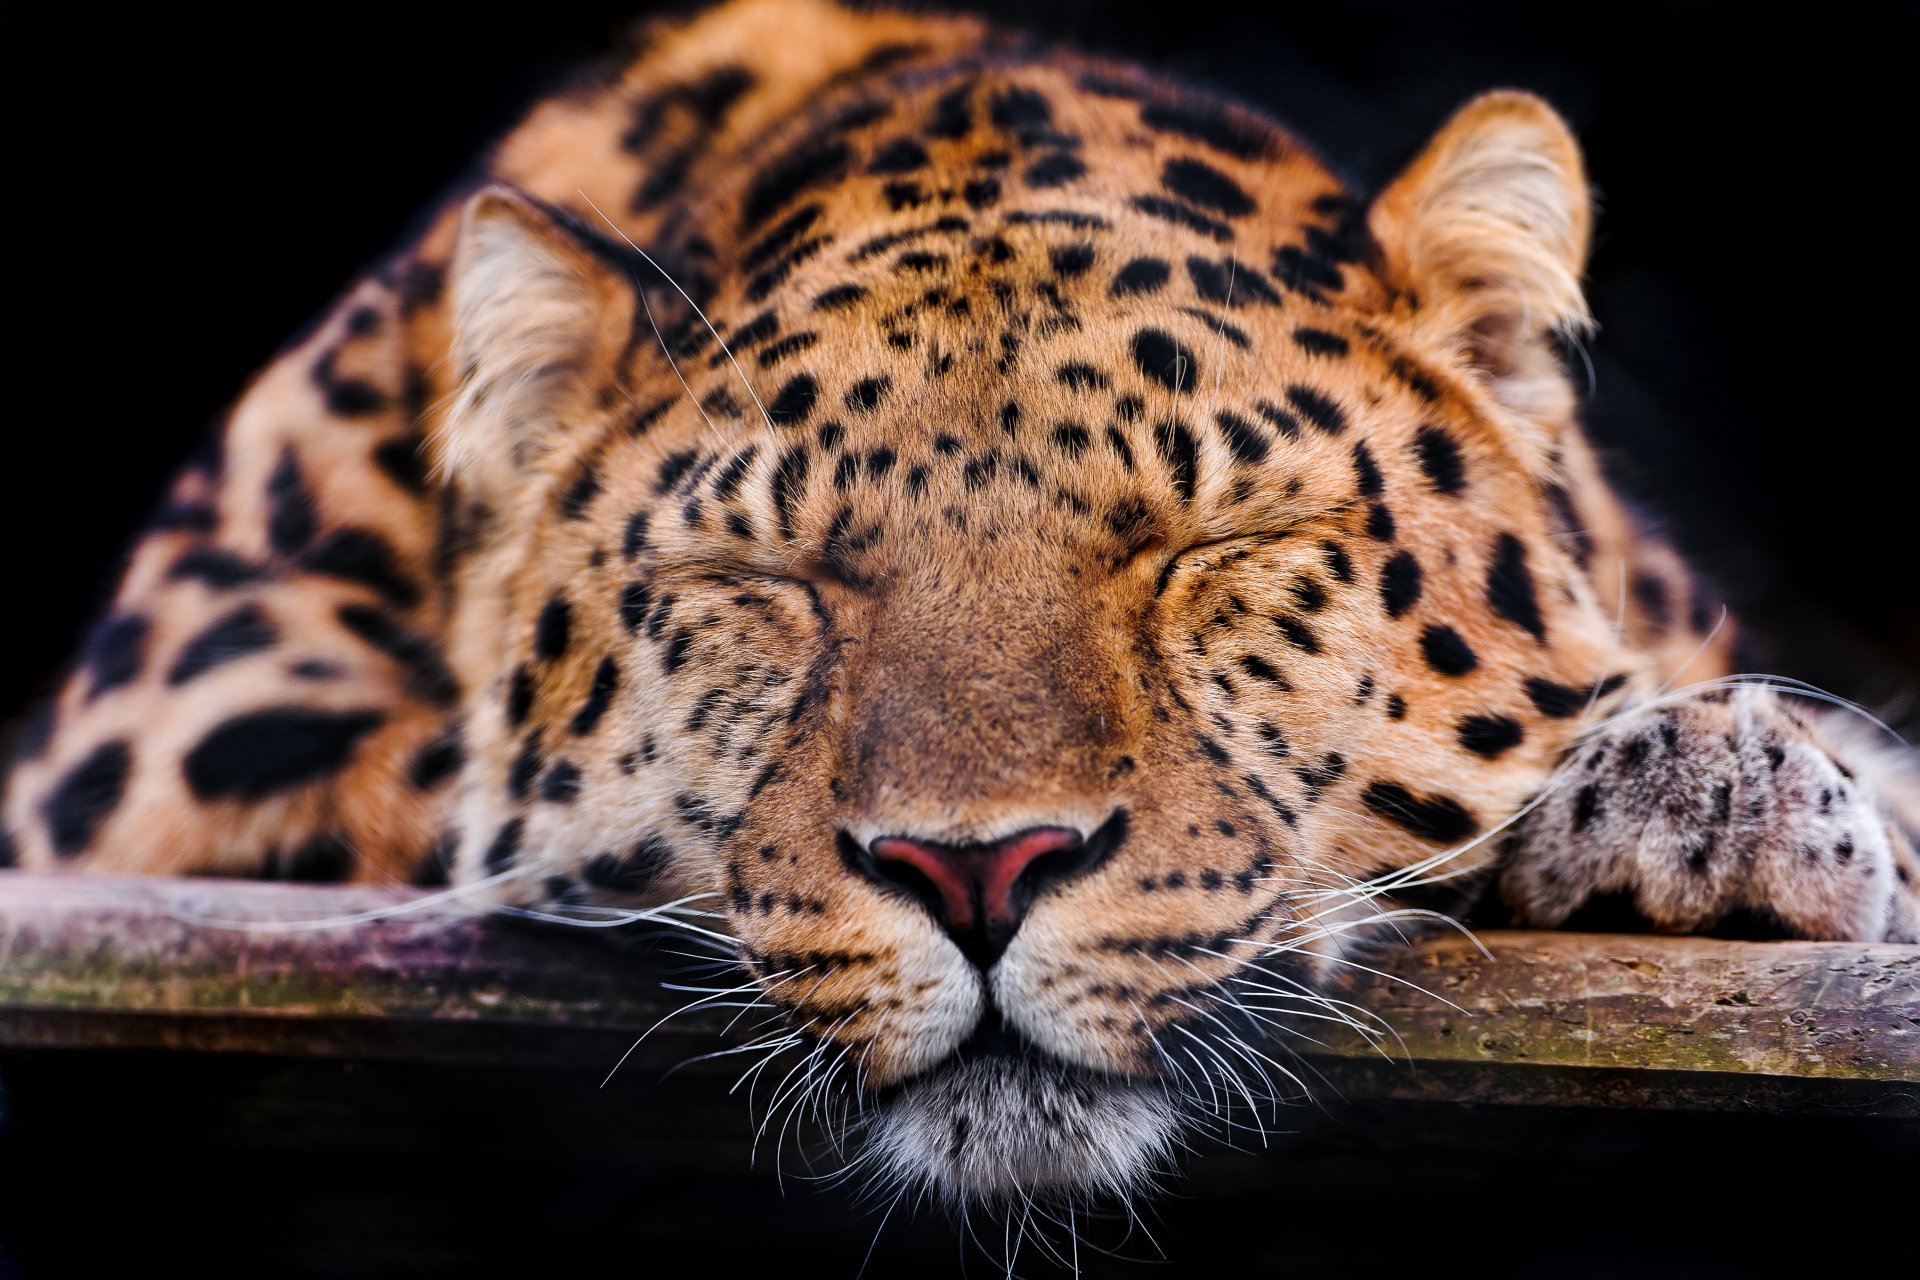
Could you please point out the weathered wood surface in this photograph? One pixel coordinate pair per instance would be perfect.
(1540, 1019)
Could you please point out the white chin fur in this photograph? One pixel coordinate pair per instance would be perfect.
(993, 1129)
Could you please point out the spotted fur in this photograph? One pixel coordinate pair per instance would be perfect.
(836, 433)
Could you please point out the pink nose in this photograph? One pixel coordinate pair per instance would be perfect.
(975, 883)
(980, 892)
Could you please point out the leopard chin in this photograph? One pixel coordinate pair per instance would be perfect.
(996, 1127)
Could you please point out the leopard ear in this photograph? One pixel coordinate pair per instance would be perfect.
(539, 321)
(1485, 234)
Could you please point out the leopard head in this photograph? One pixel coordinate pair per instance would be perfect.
(1034, 630)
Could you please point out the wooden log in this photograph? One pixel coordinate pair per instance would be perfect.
(1538, 1019)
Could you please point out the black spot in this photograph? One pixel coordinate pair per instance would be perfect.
(115, 652)
(788, 477)
(1071, 438)
(982, 193)
(1229, 282)
(1056, 168)
(865, 395)
(780, 239)
(1553, 699)
(400, 460)
(1019, 108)
(1262, 670)
(1510, 587)
(1380, 522)
(1440, 819)
(525, 766)
(1400, 583)
(1206, 186)
(726, 484)
(580, 494)
(290, 514)
(1221, 328)
(1446, 652)
(323, 859)
(264, 753)
(1305, 272)
(1180, 452)
(217, 569)
(347, 397)
(561, 784)
(85, 796)
(1165, 360)
(634, 540)
(1076, 376)
(1211, 125)
(1071, 259)
(1316, 778)
(519, 696)
(1243, 439)
(1283, 422)
(1142, 275)
(795, 400)
(791, 345)
(360, 555)
(1490, 735)
(672, 469)
(920, 260)
(1317, 409)
(952, 115)
(1586, 806)
(1440, 460)
(606, 681)
(645, 417)
(1337, 562)
(839, 298)
(675, 656)
(1298, 633)
(1059, 217)
(1318, 342)
(233, 635)
(1367, 471)
(1183, 215)
(812, 164)
(505, 847)
(1651, 593)
(1308, 594)
(1214, 751)
(437, 761)
(552, 629)
(1396, 707)
(1127, 516)
(631, 872)
(902, 155)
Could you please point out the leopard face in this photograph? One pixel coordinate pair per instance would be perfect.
(1031, 626)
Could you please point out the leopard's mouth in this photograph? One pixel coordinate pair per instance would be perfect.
(1000, 1118)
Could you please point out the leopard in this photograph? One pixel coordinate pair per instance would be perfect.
(1054, 572)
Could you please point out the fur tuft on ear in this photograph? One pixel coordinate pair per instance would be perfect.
(1487, 229)
(539, 321)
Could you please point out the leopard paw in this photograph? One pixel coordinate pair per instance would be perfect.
(1731, 813)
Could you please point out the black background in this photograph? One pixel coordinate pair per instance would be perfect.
(189, 188)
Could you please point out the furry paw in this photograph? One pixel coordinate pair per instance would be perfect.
(1729, 813)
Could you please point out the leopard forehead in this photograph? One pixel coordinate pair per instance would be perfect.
(924, 349)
